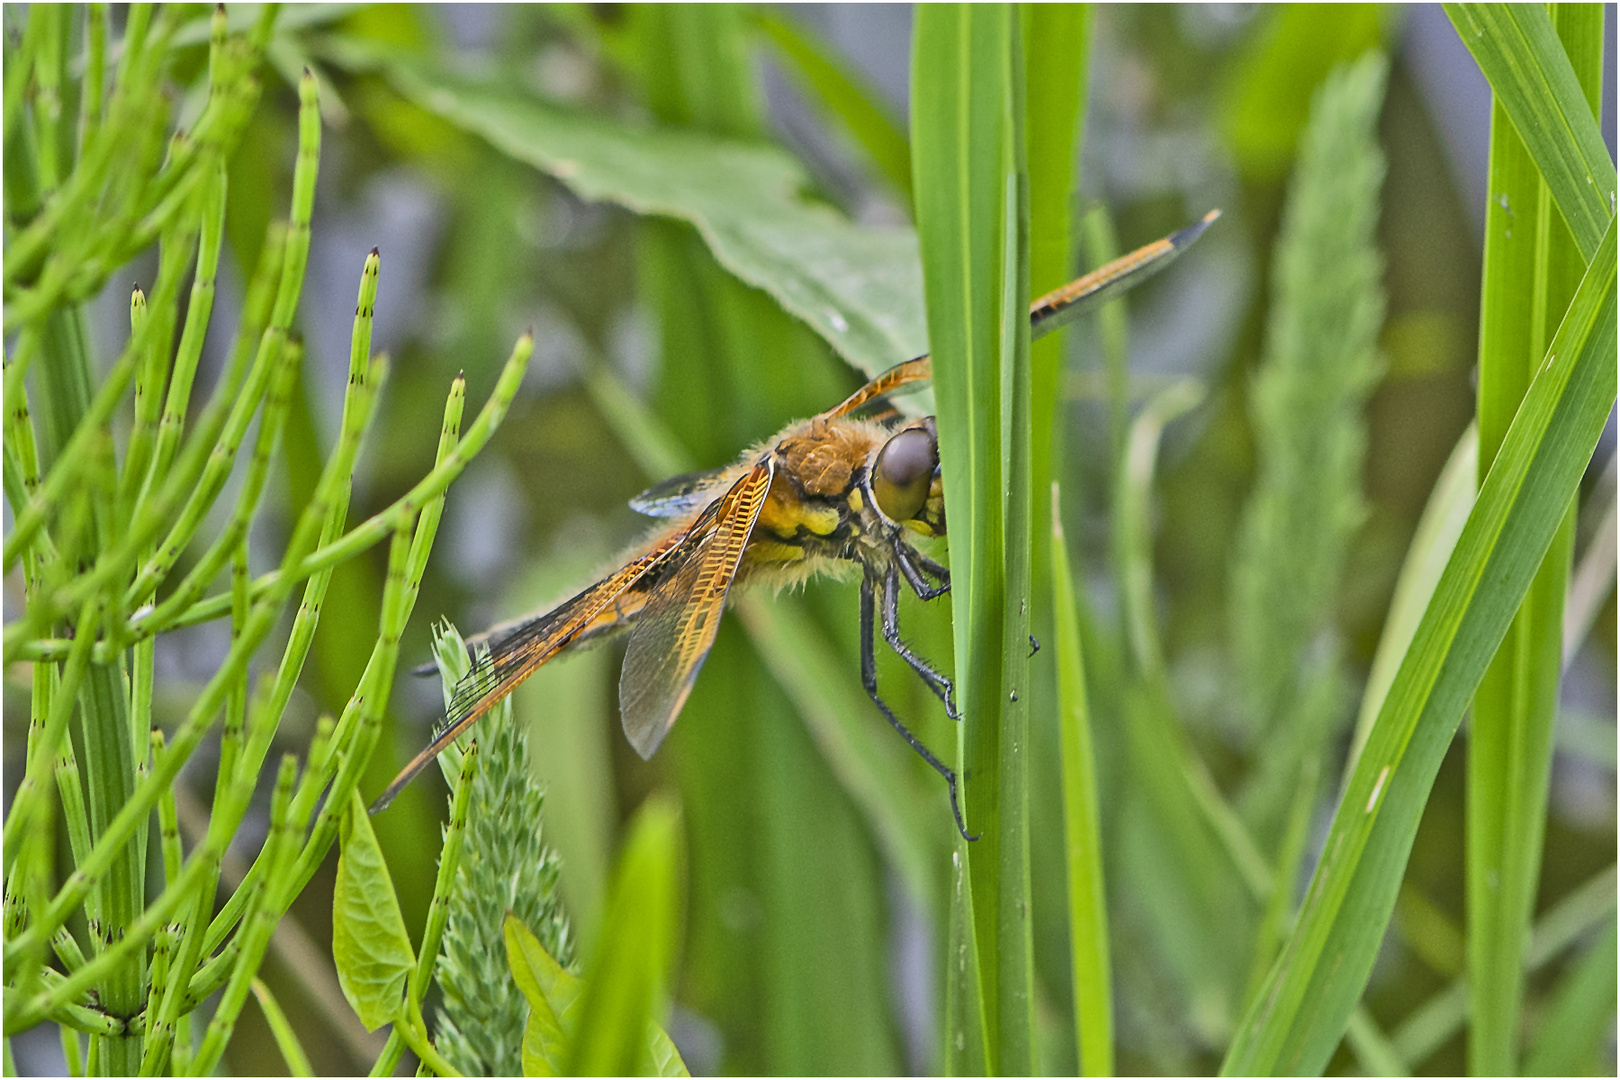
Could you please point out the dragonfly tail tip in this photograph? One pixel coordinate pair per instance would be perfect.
(1192, 232)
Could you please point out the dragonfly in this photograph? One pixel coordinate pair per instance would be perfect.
(831, 494)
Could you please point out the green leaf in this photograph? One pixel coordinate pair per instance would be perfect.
(972, 217)
(1296, 1022)
(370, 947)
(1517, 48)
(630, 966)
(855, 285)
(543, 982)
(554, 995)
(1057, 39)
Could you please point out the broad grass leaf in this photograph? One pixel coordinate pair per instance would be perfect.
(856, 286)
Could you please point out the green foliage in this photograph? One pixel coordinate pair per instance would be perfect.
(1295, 1023)
(1515, 711)
(1275, 79)
(1311, 388)
(613, 177)
(554, 996)
(1088, 896)
(855, 286)
(1518, 49)
(504, 867)
(630, 962)
(369, 943)
(101, 537)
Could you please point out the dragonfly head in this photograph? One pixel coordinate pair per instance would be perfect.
(905, 479)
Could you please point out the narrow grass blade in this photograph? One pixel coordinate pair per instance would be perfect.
(1426, 557)
(630, 966)
(1517, 48)
(292, 1051)
(1088, 896)
(1531, 270)
(554, 996)
(1057, 47)
(967, 147)
(1427, 1027)
(1300, 1016)
(1581, 1014)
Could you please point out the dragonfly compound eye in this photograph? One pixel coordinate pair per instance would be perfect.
(904, 471)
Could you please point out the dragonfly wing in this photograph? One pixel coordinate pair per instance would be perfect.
(677, 626)
(680, 496)
(517, 650)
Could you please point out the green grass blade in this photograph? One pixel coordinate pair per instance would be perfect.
(1426, 557)
(627, 982)
(1517, 48)
(1057, 40)
(967, 114)
(1511, 736)
(1581, 1014)
(1592, 580)
(845, 94)
(1088, 897)
(1177, 855)
(1427, 1027)
(1300, 1016)
(281, 1029)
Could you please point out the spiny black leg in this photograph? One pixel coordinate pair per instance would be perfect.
(869, 680)
(938, 683)
(910, 560)
(940, 573)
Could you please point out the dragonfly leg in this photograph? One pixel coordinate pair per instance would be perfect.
(937, 682)
(869, 680)
(940, 573)
(914, 564)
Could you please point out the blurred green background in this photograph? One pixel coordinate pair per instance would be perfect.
(806, 950)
